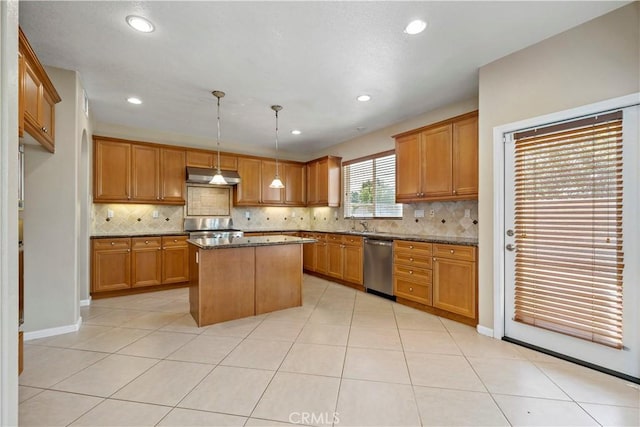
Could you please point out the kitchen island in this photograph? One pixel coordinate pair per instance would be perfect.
(244, 276)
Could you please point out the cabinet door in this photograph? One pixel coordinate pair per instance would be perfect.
(309, 256)
(271, 196)
(145, 173)
(247, 192)
(465, 157)
(172, 175)
(47, 118)
(33, 90)
(334, 260)
(322, 182)
(21, 71)
(200, 159)
(408, 167)
(111, 171)
(454, 286)
(110, 265)
(321, 257)
(175, 259)
(437, 167)
(295, 184)
(312, 180)
(352, 267)
(146, 262)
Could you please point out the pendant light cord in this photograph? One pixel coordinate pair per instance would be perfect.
(277, 171)
(218, 135)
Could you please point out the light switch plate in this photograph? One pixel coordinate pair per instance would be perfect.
(156, 215)
(418, 213)
(109, 213)
(467, 213)
(432, 213)
(247, 214)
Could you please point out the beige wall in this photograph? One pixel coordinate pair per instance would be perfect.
(51, 224)
(593, 62)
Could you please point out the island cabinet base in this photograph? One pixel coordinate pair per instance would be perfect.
(232, 283)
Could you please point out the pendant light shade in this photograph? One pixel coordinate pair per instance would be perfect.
(218, 179)
(277, 182)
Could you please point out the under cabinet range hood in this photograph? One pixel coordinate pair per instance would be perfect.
(204, 176)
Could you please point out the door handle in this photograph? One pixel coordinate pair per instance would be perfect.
(510, 247)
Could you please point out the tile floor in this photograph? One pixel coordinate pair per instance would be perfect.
(344, 358)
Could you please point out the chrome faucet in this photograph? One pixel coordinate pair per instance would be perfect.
(365, 226)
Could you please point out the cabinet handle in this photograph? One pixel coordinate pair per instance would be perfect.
(451, 251)
(418, 194)
(146, 242)
(454, 191)
(175, 240)
(410, 271)
(44, 129)
(410, 246)
(128, 250)
(410, 289)
(435, 259)
(113, 243)
(411, 259)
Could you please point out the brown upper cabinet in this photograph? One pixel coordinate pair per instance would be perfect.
(323, 181)
(209, 159)
(438, 162)
(256, 176)
(37, 97)
(130, 172)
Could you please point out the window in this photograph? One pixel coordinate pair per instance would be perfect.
(370, 187)
(568, 223)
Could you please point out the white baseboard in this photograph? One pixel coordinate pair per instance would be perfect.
(43, 333)
(483, 330)
(85, 302)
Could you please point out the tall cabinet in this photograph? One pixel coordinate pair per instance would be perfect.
(438, 162)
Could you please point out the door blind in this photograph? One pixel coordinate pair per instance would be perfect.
(568, 228)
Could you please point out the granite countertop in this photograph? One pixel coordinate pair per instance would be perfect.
(140, 234)
(240, 242)
(453, 240)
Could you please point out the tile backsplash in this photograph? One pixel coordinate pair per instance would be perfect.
(448, 220)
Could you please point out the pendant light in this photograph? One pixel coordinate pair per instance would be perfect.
(218, 179)
(276, 183)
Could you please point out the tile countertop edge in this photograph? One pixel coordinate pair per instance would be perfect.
(242, 242)
(141, 234)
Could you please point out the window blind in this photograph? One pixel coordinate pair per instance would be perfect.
(568, 225)
(370, 187)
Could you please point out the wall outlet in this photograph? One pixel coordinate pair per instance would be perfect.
(293, 214)
(247, 214)
(432, 213)
(418, 213)
(109, 213)
(467, 213)
(156, 215)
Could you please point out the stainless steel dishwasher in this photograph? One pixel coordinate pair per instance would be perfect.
(378, 267)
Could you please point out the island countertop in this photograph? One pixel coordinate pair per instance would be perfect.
(240, 242)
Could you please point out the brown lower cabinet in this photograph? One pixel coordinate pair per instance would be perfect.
(119, 264)
(335, 256)
(440, 278)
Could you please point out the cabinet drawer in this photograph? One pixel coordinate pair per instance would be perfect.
(118, 243)
(410, 259)
(145, 242)
(420, 275)
(352, 240)
(413, 291)
(416, 248)
(174, 241)
(465, 253)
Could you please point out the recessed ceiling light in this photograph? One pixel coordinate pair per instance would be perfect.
(363, 98)
(415, 27)
(134, 100)
(296, 132)
(139, 23)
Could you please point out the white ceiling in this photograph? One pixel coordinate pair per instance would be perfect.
(313, 58)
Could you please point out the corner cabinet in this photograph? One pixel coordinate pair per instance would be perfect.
(131, 172)
(323, 181)
(438, 162)
(37, 97)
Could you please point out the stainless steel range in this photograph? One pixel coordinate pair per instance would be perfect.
(211, 228)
